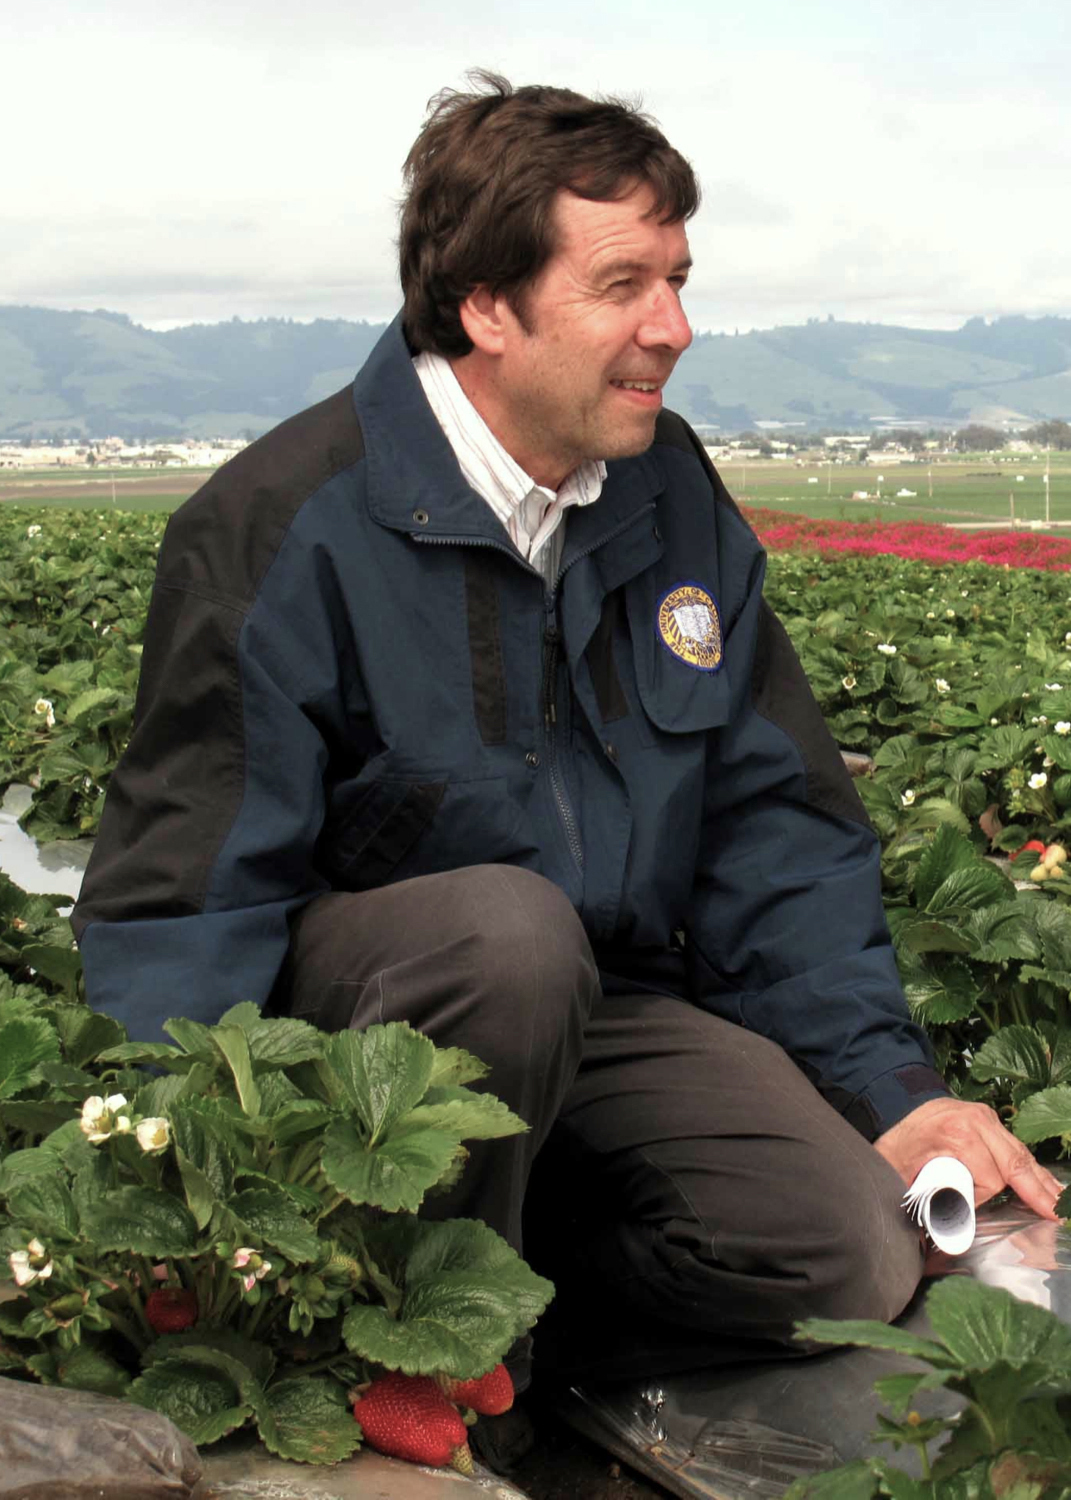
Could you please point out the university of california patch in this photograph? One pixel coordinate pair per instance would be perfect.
(690, 627)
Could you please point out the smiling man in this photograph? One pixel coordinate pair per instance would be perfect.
(461, 706)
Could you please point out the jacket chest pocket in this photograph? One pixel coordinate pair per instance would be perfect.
(678, 651)
(385, 830)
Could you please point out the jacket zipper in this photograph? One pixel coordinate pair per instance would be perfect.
(551, 641)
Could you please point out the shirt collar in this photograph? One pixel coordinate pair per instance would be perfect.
(492, 472)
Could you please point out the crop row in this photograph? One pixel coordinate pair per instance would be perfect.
(954, 676)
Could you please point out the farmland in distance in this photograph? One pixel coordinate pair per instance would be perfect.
(980, 489)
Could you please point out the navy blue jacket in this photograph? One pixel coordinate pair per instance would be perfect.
(351, 677)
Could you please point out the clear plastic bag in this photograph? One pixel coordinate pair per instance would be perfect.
(59, 1444)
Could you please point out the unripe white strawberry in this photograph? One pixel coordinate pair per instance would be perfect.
(1039, 872)
(1055, 854)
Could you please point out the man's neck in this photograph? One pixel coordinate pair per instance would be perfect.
(475, 374)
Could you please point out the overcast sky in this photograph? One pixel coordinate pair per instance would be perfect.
(892, 160)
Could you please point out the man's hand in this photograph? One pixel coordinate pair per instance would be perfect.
(974, 1134)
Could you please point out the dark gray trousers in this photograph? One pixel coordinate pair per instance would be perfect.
(693, 1194)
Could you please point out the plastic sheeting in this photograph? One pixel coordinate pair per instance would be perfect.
(746, 1432)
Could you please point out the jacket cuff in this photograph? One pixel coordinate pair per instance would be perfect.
(890, 1097)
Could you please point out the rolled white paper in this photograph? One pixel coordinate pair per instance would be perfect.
(941, 1199)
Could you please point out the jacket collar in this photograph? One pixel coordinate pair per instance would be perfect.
(416, 485)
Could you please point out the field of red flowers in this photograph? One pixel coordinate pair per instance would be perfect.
(784, 532)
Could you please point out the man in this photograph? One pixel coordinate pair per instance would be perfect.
(460, 705)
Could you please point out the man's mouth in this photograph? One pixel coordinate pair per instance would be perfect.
(637, 385)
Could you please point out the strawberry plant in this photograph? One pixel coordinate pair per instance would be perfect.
(1009, 1362)
(236, 1237)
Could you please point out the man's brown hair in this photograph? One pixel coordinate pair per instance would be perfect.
(481, 180)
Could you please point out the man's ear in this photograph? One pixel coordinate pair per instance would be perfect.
(484, 317)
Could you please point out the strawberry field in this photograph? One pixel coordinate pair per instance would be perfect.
(251, 1145)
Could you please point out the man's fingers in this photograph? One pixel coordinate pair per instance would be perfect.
(973, 1133)
(1037, 1188)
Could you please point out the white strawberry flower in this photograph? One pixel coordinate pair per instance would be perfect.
(95, 1123)
(1048, 762)
(32, 531)
(1052, 687)
(950, 614)
(153, 1134)
(941, 685)
(1063, 726)
(1037, 781)
(886, 648)
(848, 682)
(22, 1267)
(43, 709)
(994, 722)
(930, 615)
(907, 797)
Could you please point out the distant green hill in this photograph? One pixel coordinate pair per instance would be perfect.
(73, 374)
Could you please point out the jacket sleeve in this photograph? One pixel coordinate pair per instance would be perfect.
(208, 835)
(786, 933)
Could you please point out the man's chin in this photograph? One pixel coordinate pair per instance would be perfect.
(634, 442)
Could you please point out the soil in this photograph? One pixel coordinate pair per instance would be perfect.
(176, 486)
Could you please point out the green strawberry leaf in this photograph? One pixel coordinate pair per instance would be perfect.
(272, 1219)
(866, 1334)
(464, 1115)
(983, 1326)
(21, 1166)
(201, 1146)
(200, 1400)
(309, 1422)
(393, 1175)
(45, 1205)
(257, 1359)
(467, 1295)
(454, 1065)
(142, 1220)
(1016, 1052)
(82, 1368)
(1044, 1114)
(854, 1481)
(920, 936)
(384, 1071)
(192, 1036)
(234, 1046)
(940, 996)
(144, 1054)
(25, 1043)
(979, 884)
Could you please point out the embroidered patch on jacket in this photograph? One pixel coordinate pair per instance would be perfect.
(690, 626)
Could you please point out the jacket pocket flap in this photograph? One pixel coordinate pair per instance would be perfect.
(678, 648)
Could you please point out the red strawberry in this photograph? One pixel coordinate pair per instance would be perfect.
(407, 1416)
(489, 1395)
(171, 1309)
(1033, 846)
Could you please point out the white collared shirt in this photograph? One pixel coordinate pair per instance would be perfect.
(530, 513)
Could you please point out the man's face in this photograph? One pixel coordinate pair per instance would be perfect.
(582, 376)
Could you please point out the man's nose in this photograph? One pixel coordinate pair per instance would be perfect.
(665, 325)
